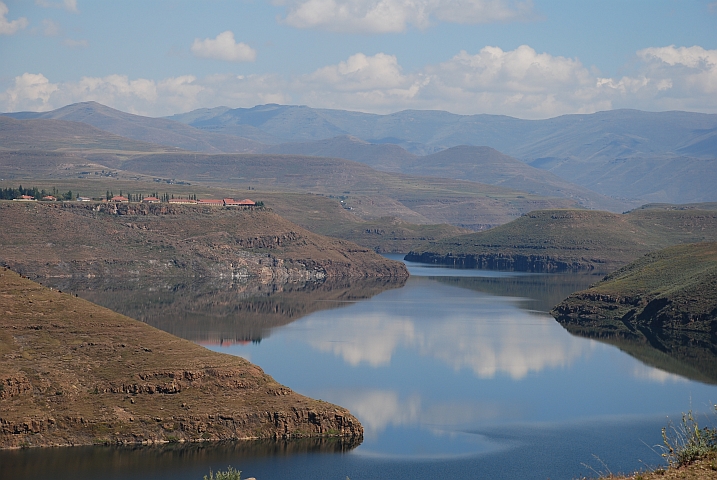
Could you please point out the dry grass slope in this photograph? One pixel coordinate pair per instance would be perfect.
(75, 239)
(73, 373)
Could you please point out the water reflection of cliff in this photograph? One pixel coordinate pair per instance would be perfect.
(541, 292)
(691, 355)
(220, 312)
(686, 354)
(170, 461)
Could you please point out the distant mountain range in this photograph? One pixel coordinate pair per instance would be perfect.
(632, 156)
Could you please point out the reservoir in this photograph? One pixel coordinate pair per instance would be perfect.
(453, 374)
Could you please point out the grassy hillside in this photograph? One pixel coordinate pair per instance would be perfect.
(74, 373)
(555, 240)
(74, 239)
(476, 164)
(318, 213)
(665, 301)
(371, 194)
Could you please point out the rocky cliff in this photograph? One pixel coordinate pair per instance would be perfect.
(124, 240)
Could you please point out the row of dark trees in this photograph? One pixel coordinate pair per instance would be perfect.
(13, 193)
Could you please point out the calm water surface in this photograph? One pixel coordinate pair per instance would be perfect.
(456, 374)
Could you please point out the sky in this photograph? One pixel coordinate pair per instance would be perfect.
(524, 58)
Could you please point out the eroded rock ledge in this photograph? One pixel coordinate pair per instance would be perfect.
(505, 261)
(126, 240)
(73, 373)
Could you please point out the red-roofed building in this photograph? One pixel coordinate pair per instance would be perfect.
(24, 198)
(182, 201)
(119, 199)
(247, 202)
(48, 198)
(151, 200)
(211, 202)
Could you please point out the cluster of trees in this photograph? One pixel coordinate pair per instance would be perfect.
(13, 193)
(137, 197)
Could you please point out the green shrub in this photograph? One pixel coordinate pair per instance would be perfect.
(688, 442)
(230, 474)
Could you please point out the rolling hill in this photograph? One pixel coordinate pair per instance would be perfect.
(145, 129)
(628, 154)
(557, 240)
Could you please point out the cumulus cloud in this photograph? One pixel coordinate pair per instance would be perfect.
(223, 47)
(390, 16)
(30, 92)
(520, 82)
(69, 5)
(668, 78)
(10, 27)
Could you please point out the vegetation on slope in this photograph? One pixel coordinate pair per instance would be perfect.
(74, 373)
(555, 240)
(661, 308)
(76, 239)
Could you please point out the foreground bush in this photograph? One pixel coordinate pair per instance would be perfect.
(230, 474)
(687, 442)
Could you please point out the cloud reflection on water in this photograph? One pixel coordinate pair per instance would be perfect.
(379, 409)
(489, 338)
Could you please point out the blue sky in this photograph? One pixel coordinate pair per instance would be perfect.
(529, 59)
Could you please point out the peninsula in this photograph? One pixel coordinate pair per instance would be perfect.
(572, 240)
(74, 373)
(661, 308)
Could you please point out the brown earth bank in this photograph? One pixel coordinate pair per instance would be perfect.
(571, 240)
(661, 309)
(74, 373)
(702, 469)
(123, 240)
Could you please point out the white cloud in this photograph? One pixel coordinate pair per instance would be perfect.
(10, 27)
(30, 92)
(69, 5)
(224, 47)
(50, 28)
(520, 82)
(390, 16)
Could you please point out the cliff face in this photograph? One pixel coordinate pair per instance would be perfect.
(505, 261)
(70, 239)
(73, 373)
